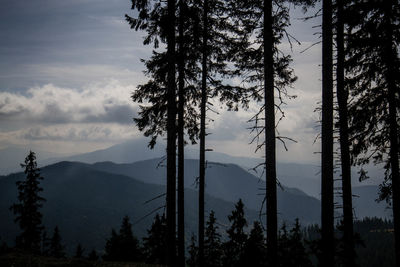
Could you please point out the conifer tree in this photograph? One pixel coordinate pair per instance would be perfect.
(45, 243)
(155, 244)
(27, 211)
(266, 71)
(327, 219)
(193, 261)
(373, 67)
(212, 243)
(111, 248)
(122, 246)
(79, 251)
(345, 162)
(159, 21)
(93, 256)
(56, 249)
(234, 247)
(254, 250)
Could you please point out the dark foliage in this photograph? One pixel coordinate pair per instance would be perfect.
(212, 243)
(193, 250)
(254, 249)
(27, 211)
(56, 248)
(93, 256)
(123, 246)
(79, 251)
(155, 244)
(234, 247)
(292, 248)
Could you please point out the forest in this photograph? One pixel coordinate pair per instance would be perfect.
(208, 53)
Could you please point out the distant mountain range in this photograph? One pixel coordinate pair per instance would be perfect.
(305, 177)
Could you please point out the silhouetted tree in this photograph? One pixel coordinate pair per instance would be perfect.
(111, 248)
(155, 244)
(345, 162)
(254, 250)
(327, 208)
(56, 249)
(79, 251)
(212, 243)
(193, 260)
(123, 246)
(265, 69)
(45, 243)
(234, 247)
(27, 211)
(3, 247)
(292, 250)
(373, 65)
(93, 256)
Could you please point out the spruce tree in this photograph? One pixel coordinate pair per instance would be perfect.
(327, 219)
(79, 251)
(93, 256)
(27, 211)
(234, 247)
(193, 260)
(254, 250)
(155, 244)
(373, 65)
(345, 161)
(122, 246)
(212, 243)
(56, 249)
(266, 71)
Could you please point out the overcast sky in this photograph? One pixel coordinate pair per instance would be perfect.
(67, 69)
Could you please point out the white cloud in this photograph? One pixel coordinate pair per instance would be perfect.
(108, 102)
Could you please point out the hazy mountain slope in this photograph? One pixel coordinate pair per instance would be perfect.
(226, 181)
(365, 203)
(86, 203)
(305, 177)
(11, 158)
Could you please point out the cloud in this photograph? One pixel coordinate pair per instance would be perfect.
(49, 104)
(78, 133)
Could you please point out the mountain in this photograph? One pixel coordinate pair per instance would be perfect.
(11, 157)
(86, 203)
(305, 177)
(229, 181)
(365, 203)
(225, 181)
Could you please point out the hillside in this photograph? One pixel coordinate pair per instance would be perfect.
(86, 203)
(228, 182)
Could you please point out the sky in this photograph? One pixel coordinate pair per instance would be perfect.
(68, 68)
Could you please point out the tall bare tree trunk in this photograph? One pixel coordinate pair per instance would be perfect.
(342, 96)
(181, 157)
(390, 55)
(270, 157)
(202, 167)
(171, 138)
(327, 219)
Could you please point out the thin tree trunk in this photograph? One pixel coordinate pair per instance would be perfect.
(270, 157)
(390, 55)
(181, 158)
(202, 167)
(327, 209)
(171, 138)
(344, 142)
